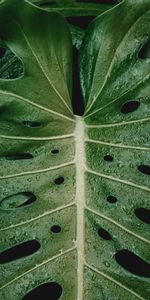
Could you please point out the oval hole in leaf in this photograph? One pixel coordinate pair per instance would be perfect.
(54, 151)
(59, 180)
(130, 106)
(145, 169)
(143, 214)
(56, 229)
(31, 124)
(132, 263)
(145, 51)
(18, 200)
(45, 291)
(19, 251)
(104, 234)
(111, 199)
(2, 52)
(108, 158)
(19, 156)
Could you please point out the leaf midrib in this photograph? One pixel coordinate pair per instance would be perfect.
(81, 207)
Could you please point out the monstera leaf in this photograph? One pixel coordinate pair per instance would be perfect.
(74, 190)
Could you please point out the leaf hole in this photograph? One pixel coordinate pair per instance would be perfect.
(54, 151)
(18, 200)
(2, 52)
(19, 251)
(143, 214)
(145, 169)
(108, 158)
(104, 234)
(19, 156)
(59, 180)
(145, 51)
(31, 124)
(132, 263)
(130, 106)
(46, 291)
(111, 199)
(56, 229)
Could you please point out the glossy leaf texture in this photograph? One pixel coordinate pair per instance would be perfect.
(115, 78)
(36, 156)
(74, 193)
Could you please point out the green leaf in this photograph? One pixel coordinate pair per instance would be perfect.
(74, 193)
(115, 84)
(36, 121)
(73, 8)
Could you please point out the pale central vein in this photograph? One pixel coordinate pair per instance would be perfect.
(80, 200)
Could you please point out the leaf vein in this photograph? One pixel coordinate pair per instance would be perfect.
(114, 281)
(144, 188)
(118, 225)
(37, 171)
(38, 266)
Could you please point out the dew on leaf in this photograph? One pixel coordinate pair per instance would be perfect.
(106, 263)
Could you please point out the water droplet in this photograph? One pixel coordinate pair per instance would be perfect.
(106, 263)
